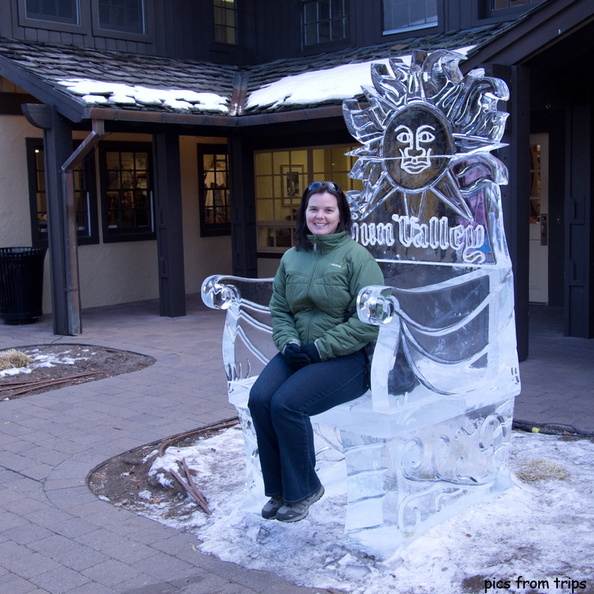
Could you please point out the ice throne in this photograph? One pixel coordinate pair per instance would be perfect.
(432, 435)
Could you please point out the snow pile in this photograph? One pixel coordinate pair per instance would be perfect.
(535, 533)
(102, 93)
(317, 86)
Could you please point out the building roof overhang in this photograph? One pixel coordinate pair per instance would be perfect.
(87, 84)
(536, 34)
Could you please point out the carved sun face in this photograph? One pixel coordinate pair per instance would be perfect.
(419, 130)
(416, 147)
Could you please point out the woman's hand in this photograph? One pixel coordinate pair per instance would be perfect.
(312, 353)
(294, 357)
(298, 356)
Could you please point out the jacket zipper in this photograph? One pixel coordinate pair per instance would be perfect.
(311, 279)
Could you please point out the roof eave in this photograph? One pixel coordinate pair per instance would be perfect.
(519, 43)
(225, 121)
(67, 106)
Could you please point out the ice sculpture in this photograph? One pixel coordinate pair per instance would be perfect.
(433, 434)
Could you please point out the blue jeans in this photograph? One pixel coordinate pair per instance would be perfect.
(281, 401)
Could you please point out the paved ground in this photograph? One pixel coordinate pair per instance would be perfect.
(56, 536)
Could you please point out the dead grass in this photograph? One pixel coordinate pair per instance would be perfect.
(532, 471)
(14, 358)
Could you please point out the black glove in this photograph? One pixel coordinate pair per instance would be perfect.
(294, 357)
(311, 350)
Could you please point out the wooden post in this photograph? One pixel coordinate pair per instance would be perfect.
(170, 244)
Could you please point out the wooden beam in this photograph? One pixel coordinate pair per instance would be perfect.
(169, 223)
(579, 241)
(57, 141)
(243, 209)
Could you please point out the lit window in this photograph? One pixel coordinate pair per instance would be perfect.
(127, 16)
(127, 192)
(403, 15)
(325, 21)
(84, 197)
(281, 178)
(61, 11)
(225, 21)
(214, 193)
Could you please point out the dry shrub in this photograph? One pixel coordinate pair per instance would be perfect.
(531, 471)
(14, 358)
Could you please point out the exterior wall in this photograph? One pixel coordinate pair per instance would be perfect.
(117, 273)
(175, 28)
(110, 273)
(267, 267)
(203, 256)
(113, 273)
(15, 218)
(185, 28)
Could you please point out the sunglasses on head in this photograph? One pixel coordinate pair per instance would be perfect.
(324, 185)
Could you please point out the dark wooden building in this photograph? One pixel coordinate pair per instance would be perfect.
(151, 142)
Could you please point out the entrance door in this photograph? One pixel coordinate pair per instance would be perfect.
(539, 219)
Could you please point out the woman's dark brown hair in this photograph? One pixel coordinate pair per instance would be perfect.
(321, 187)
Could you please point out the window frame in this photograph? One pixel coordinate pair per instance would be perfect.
(111, 234)
(147, 36)
(23, 20)
(89, 234)
(224, 26)
(345, 18)
(409, 27)
(212, 229)
(489, 11)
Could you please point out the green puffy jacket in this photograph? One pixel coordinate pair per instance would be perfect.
(314, 289)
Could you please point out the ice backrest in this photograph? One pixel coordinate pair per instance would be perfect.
(430, 212)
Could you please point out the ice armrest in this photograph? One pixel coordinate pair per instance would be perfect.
(376, 305)
(220, 291)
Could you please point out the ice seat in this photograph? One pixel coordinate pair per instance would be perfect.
(411, 459)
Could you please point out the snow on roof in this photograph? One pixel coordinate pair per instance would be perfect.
(317, 86)
(100, 93)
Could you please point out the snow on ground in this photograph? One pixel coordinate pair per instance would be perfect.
(535, 533)
(41, 358)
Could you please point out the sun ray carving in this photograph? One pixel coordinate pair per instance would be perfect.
(426, 134)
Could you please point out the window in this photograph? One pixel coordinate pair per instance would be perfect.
(61, 11)
(281, 178)
(324, 21)
(404, 15)
(505, 4)
(127, 191)
(493, 8)
(84, 197)
(127, 16)
(225, 21)
(213, 192)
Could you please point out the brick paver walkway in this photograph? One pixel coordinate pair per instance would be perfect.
(56, 536)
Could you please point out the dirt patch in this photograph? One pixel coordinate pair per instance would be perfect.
(125, 481)
(59, 365)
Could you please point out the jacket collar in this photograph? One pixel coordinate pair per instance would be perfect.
(327, 242)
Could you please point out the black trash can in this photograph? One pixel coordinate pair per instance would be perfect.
(21, 284)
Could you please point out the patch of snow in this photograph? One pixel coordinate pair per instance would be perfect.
(542, 530)
(317, 86)
(99, 92)
(44, 360)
